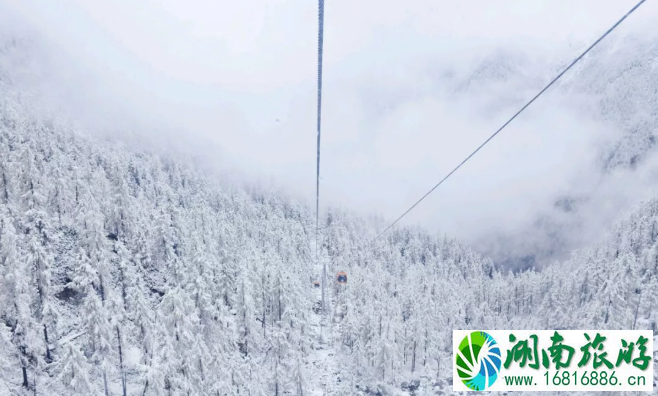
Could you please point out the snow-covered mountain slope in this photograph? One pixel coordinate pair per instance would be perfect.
(123, 271)
(410, 291)
(122, 265)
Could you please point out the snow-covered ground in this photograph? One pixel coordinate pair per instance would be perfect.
(321, 367)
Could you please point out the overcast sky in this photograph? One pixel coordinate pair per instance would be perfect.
(237, 80)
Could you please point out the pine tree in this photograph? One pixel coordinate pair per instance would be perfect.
(8, 356)
(18, 300)
(39, 261)
(73, 371)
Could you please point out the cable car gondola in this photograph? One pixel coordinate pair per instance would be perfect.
(316, 284)
(342, 277)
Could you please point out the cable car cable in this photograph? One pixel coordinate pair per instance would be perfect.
(319, 123)
(514, 116)
(319, 119)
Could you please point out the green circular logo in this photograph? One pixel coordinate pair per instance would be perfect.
(478, 360)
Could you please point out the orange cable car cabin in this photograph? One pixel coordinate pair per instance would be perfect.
(342, 277)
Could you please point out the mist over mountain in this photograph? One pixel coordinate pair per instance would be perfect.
(616, 90)
(405, 101)
(160, 241)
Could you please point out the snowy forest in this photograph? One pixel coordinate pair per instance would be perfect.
(125, 272)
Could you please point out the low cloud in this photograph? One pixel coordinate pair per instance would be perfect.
(410, 89)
